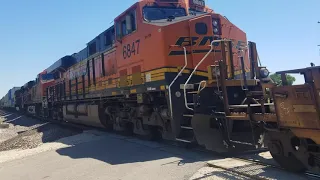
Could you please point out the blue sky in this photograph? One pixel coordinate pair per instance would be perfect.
(36, 33)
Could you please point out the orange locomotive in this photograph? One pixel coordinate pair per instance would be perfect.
(32, 96)
(144, 74)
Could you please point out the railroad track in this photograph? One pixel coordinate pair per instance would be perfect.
(268, 165)
(195, 149)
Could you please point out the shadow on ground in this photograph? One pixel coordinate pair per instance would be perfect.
(115, 150)
(16, 119)
(121, 151)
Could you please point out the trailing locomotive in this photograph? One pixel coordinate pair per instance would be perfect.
(175, 70)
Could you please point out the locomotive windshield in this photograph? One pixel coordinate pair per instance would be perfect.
(158, 13)
(194, 11)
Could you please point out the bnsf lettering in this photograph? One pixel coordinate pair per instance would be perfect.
(185, 41)
(131, 49)
(208, 40)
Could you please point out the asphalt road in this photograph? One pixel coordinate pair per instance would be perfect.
(108, 157)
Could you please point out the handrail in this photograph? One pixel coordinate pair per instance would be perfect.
(217, 80)
(174, 80)
(202, 88)
(195, 68)
(243, 79)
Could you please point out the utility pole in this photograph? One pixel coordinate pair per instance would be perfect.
(319, 45)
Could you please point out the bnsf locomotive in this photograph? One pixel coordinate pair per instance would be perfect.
(144, 73)
(175, 70)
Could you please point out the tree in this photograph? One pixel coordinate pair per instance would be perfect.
(277, 79)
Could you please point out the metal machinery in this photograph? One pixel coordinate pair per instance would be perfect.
(295, 142)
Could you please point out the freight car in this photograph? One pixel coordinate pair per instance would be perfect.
(295, 142)
(9, 100)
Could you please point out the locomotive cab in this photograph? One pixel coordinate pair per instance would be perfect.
(153, 34)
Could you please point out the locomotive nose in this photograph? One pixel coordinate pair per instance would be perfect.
(203, 31)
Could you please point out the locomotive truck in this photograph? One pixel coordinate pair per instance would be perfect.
(176, 70)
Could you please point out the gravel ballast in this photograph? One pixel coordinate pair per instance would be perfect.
(28, 133)
(35, 137)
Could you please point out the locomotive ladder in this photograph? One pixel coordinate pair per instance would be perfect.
(186, 131)
(170, 95)
(174, 80)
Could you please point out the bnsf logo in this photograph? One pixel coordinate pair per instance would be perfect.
(194, 41)
(201, 42)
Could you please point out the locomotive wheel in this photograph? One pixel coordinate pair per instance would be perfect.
(290, 163)
(150, 133)
(156, 133)
(105, 120)
(279, 145)
(153, 135)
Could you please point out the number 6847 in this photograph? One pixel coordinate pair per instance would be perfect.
(130, 49)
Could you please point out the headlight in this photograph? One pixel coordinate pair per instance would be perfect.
(215, 23)
(264, 72)
(216, 26)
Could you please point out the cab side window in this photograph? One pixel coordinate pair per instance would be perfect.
(127, 24)
(109, 37)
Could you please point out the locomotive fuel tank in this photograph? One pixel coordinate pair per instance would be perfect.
(82, 114)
